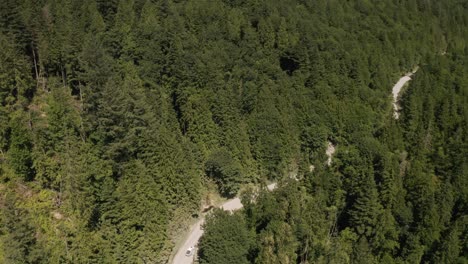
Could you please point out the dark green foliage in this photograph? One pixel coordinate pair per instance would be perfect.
(115, 116)
(19, 244)
(389, 199)
(226, 240)
(19, 152)
(139, 216)
(225, 171)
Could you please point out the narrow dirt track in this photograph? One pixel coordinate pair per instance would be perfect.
(396, 92)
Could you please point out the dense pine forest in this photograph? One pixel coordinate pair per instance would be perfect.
(119, 119)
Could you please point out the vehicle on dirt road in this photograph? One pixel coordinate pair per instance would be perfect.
(190, 251)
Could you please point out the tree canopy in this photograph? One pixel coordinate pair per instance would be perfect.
(117, 116)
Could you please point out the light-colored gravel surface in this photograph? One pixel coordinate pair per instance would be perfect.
(232, 205)
(330, 151)
(195, 233)
(396, 91)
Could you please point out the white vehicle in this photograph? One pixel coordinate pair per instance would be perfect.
(190, 251)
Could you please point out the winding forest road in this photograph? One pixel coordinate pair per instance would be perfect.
(196, 232)
(234, 204)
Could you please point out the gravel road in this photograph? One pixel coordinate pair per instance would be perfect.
(396, 91)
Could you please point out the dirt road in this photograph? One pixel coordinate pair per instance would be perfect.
(329, 152)
(396, 91)
(196, 232)
(234, 204)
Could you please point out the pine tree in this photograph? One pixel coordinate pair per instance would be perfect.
(19, 153)
(139, 217)
(17, 235)
(226, 239)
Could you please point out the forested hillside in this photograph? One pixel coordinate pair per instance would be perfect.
(117, 116)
